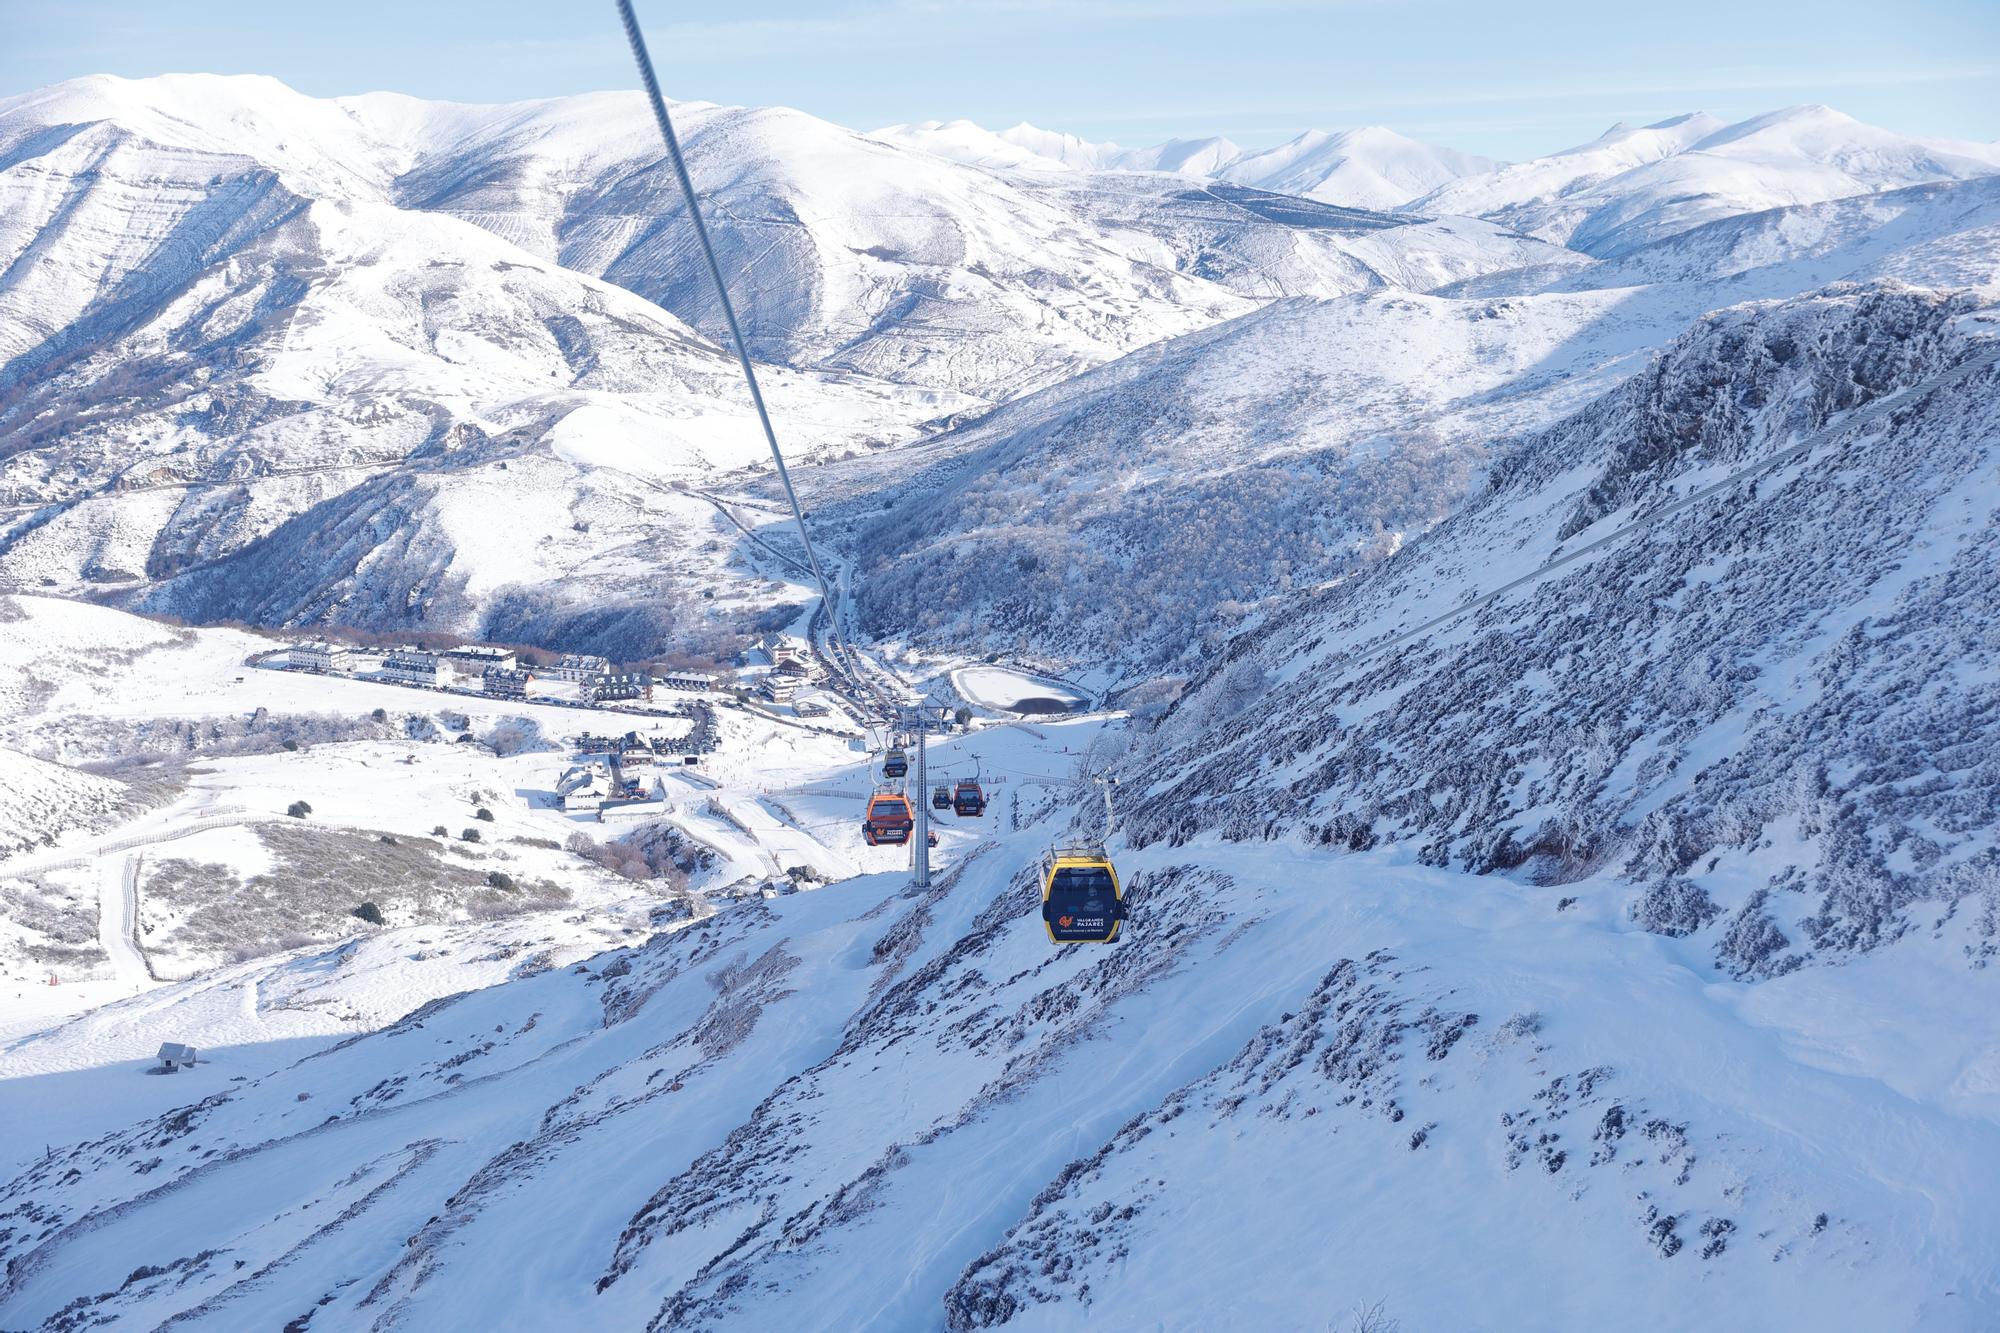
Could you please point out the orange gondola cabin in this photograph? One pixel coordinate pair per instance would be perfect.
(889, 820)
(968, 799)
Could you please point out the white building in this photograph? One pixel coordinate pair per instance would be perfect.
(413, 666)
(328, 659)
(584, 787)
(692, 682)
(175, 1056)
(785, 650)
(474, 660)
(575, 667)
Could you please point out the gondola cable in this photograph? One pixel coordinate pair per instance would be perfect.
(659, 103)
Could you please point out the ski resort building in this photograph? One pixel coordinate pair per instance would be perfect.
(691, 682)
(584, 787)
(507, 683)
(784, 650)
(614, 685)
(413, 666)
(576, 667)
(321, 657)
(780, 689)
(475, 660)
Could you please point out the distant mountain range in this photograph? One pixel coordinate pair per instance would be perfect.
(1622, 189)
(295, 360)
(1370, 167)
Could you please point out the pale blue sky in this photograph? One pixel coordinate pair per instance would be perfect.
(1509, 79)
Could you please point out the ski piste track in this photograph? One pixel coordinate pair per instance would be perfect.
(118, 920)
(1859, 418)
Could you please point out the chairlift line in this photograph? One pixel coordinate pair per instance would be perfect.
(1081, 897)
(645, 62)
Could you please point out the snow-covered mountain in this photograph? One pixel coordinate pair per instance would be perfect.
(287, 360)
(1179, 486)
(1634, 186)
(1370, 168)
(1104, 523)
(1624, 189)
(1554, 720)
(858, 257)
(269, 357)
(222, 373)
(1727, 684)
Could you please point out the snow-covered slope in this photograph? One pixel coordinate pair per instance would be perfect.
(865, 257)
(1266, 245)
(854, 254)
(1938, 235)
(1514, 944)
(258, 365)
(39, 801)
(1550, 196)
(262, 368)
(863, 1106)
(210, 367)
(1631, 187)
(1103, 523)
(1297, 445)
(1738, 701)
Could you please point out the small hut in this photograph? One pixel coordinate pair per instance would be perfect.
(173, 1056)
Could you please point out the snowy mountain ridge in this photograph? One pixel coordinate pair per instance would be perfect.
(1371, 167)
(1631, 187)
(283, 359)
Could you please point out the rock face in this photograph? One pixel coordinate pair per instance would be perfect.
(1740, 702)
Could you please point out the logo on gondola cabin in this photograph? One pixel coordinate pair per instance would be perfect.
(1065, 921)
